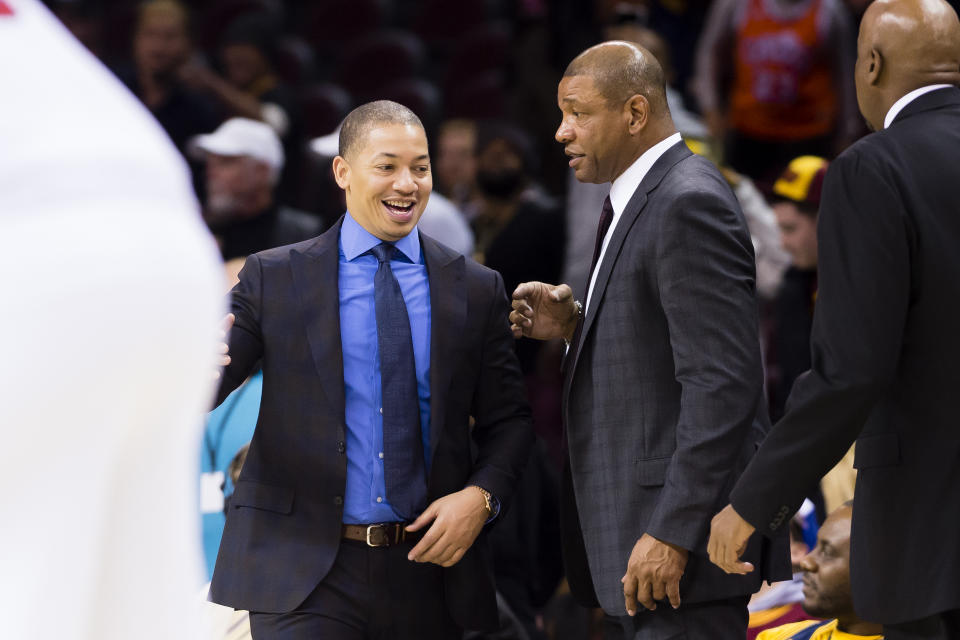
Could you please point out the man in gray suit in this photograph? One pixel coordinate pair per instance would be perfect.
(663, 399)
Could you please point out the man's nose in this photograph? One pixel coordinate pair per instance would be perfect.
(405, 182)
(809, 564)
(564, 133)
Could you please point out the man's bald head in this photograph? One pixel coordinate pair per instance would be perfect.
(360, 121)
(904, 45)
(621, 70)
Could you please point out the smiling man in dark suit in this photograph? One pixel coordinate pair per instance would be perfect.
(885, 343)
(360, 503)
(663, 389)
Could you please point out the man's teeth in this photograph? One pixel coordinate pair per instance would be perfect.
(398, 205)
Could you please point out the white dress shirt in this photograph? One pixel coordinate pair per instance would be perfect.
(621, 190)
(907, 99)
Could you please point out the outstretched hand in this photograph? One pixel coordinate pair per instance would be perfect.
(729, 534)
(543, 311)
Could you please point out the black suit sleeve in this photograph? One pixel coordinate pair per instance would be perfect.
(246, 341)
(502, 427)
(858, 324)
(705, 275)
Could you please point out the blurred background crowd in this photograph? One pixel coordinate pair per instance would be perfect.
(252, 93)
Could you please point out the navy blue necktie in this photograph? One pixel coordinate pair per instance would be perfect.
(403, 467)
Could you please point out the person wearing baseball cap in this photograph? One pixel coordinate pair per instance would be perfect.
(796, 200)
(244, 159)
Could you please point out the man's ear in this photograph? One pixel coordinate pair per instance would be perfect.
(637, 110)
(874, 66)
(341, 172)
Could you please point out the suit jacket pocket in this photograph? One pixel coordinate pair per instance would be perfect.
(262, 496)
(877, 451)
(652, 472)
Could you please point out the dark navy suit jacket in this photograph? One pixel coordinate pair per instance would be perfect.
(284, 524)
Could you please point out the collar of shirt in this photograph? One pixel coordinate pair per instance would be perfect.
(907, 99)
(623, 188)
(356, 241)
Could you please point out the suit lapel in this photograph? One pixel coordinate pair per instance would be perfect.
(315, 273)
(448, 312)
(631, 212)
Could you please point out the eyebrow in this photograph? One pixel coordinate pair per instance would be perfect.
(393, 155)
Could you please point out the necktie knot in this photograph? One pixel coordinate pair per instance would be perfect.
(383, 251)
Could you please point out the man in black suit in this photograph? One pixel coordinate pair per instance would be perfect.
(885, 344)
(663, 386)
(359, 507)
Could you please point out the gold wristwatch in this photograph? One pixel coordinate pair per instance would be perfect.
(487, 499)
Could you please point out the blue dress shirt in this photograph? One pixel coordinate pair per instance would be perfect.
(365, 500)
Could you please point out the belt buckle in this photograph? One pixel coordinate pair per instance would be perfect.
(383, 542)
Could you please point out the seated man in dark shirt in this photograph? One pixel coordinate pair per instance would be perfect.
(244, 160)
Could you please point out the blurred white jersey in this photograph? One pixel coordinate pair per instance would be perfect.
(111, 300)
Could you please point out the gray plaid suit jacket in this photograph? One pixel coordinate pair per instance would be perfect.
(663, 395)
(284, 524)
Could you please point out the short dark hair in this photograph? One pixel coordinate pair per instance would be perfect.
(361, 120)
(634, 74)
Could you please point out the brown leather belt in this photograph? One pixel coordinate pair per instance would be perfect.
(385, 534)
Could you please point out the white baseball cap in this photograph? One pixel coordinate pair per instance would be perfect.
(243, 137)
(327, 146)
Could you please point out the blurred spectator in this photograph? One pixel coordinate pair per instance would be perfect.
(519, 231)
(161, 48)
(796, 200)
(244, 159)
(455, 168)
(775, 80)
(826, 589)
(252, 89)
(441, 219)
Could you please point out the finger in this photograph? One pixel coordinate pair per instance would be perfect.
(433, 553)
(442, 553)
(659, 590)
(561, 293)
(224, 361)
(629, 593)
(428, 516)
(224, 347)
(458, 554)
(645, 594)
(227, 322)
(742, 568)
(524, 289)
(430, 538)
(673, 593)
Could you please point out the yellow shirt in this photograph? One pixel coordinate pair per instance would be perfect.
(828, 631)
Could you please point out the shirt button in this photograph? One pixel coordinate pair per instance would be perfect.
(341, 447)
(381, 410)
(338, 500)
(379, 499)
(381, 455)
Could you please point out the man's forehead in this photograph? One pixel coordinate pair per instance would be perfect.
(395, 140)
(581, 88)
(836, 528)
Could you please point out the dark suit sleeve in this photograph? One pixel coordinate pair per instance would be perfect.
(502, 429)
(705, 274)
(858, 324)
(246, 342)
